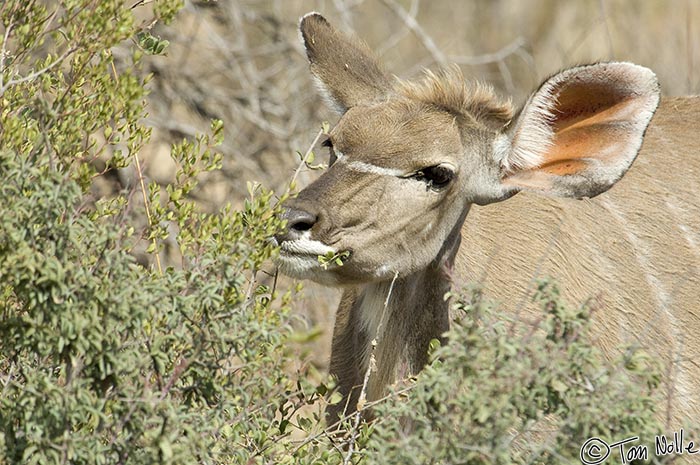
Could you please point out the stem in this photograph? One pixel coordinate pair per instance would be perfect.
(305, 157)
(143, 192)
(361, 402)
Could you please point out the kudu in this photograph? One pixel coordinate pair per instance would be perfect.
(409, 160)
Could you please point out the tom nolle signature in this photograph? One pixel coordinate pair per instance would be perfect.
(596, 451)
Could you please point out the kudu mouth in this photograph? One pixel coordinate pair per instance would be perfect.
(301, 256)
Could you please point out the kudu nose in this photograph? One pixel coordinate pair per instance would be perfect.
(298, 221)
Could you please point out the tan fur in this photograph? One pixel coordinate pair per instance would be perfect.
(636, 246)
(449, 91)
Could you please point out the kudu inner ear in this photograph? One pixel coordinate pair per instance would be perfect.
(345, 70)
(580, 131)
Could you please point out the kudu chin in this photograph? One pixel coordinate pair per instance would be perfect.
(414, 167)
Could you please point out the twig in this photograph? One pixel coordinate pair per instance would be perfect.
(371, 366)
(248, 70)
(507, 77)
(148, 210)
(177, 372)
(409, 19)
(140, 3)
(416, 28)
(304, 158)
(49, 21)
(608, 35)
(344, 13)
(35, 74)
(8, 380)
(488, 58)
(251, 287)
(3, 53)
(139, 171)
(537, 273)
(325, 432)
(400, 33)
(689, 46)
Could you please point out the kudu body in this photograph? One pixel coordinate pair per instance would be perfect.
(409, 161)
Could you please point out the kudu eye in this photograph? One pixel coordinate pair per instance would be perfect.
(437, 177)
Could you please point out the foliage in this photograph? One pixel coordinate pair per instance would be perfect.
(105, 360)
(101, 359)
(503, 392)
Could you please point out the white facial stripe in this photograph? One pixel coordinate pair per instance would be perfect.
(374, 169)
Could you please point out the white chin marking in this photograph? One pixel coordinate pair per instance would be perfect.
(306, 246)
(299, 259)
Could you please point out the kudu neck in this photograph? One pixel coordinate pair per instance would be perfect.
(404, 314)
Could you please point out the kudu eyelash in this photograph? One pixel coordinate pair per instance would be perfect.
(436, 177)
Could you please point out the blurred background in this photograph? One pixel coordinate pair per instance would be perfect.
(243, 62)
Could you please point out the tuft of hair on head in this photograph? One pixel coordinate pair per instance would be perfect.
(449, 91)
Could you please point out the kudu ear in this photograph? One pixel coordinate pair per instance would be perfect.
(579, 133)
(344, 68)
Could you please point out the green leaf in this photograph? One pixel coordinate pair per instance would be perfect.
(335, 398)
(165, 449)
(558, 386)
(305, 424)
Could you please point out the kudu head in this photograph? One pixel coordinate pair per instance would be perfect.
(408, 159)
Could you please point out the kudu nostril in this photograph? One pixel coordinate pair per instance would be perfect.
(298, 221)
(302, 225)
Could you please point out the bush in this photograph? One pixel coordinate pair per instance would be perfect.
(107, 360)
(503, 392)
(101, 359)
(104, 361)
